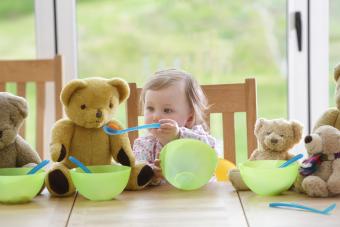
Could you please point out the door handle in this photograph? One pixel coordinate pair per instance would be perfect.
(298, 29)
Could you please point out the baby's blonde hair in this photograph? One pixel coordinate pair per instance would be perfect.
(196, 98)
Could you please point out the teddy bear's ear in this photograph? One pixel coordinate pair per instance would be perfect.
(69, 90)
(297, 129)
(19, 103)
(337, 72)
(258, 125)
(122, 87)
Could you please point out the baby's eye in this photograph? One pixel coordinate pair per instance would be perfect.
(83, 106)
(149, 108)
(168, 110)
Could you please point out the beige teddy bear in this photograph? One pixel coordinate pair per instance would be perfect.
(322, 170)
(275, 138)
(89, 105)
(332, 115)
(14, 150)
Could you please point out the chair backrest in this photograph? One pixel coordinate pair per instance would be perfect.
(226, 99)
(38, 71)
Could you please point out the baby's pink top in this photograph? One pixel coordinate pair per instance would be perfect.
(147, 148)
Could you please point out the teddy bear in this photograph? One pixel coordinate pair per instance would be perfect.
(89, 105)
(332, 115)
(14, 150)
(274, 138)
(320, 173)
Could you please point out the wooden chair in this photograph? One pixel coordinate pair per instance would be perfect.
(223, 98)
(38, 71)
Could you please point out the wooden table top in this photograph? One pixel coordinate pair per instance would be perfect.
(216, 204)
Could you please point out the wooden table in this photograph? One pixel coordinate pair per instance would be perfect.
(216, 204)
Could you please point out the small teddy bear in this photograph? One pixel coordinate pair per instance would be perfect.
(275, 138)
(14, 150)
(89, 105)
(321, 172)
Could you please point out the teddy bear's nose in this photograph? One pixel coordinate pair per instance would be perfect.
(308, 139)
(99, 114)
(274, 140)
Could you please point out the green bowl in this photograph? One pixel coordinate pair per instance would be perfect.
(264, 177)
(18, 187)
(188, 164)
(104, 183)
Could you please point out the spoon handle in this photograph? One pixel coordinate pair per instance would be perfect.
(79, 163)
(302, 207)
(111, 131)
(290, 161)
(38, 167)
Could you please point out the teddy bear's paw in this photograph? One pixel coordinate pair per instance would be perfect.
(58, 152)
(333, 185)
(145, 176)
(315, 187)
(59, 183)
(141, 176)
(236, 180)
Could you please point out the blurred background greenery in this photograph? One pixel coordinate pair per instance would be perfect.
(216, 41)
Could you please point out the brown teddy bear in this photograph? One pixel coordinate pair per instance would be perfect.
(14, 150)
(89, 105)
(332, 115)
(320, 174)
(275, 138)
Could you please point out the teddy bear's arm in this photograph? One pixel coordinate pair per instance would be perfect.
(25, 153)
(328, 118)
(62, 133)
(120, 147)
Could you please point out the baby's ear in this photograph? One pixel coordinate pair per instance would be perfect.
(297, 130)
(122, 87)
(69, 90)
(258, 125)
(19, 103)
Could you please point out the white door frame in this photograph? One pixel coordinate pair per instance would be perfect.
(308, 67)
(56, 34)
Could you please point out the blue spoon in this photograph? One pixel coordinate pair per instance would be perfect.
(326, 211)
(80, 164)
(292, 160)
(38, 167)
(112, 131)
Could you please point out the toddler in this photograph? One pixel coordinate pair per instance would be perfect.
(175, 100)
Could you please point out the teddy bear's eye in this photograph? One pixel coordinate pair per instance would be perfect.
(268, 133)
(83, 106)
(282, 135)
(110, 105)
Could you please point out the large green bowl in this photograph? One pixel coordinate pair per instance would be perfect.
(188, 164)
(18, 187)
(264, 177)
(104, 183)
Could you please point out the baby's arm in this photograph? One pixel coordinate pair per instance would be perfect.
(197, 132)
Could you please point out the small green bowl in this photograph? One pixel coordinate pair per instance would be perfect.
(264, 177)
(18, 187)
(188, 164)
(104, 183)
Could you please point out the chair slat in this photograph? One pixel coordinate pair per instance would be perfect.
(2, 87)
(40, 118)
(229, 136)
(21, 91)
(132, 111)
(251, 114)
(57, 87)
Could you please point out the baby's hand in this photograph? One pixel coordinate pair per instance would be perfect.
(168, 131)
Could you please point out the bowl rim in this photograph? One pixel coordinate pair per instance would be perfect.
(123, 169)
(41, 171)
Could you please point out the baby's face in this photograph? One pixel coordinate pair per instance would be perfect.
(167, 103)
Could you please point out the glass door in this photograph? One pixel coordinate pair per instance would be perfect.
(218, 42)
